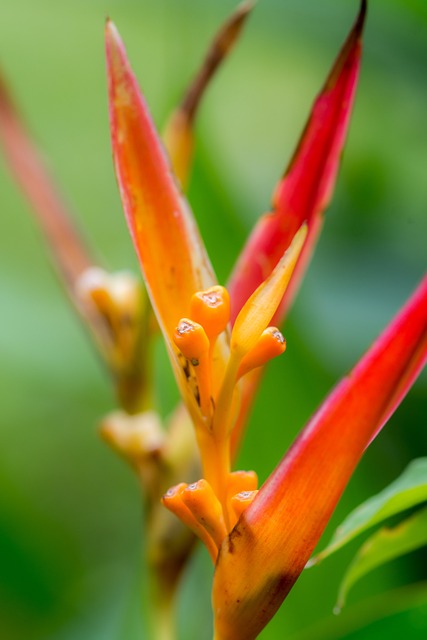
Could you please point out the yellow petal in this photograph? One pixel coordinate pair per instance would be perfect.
(261, 306)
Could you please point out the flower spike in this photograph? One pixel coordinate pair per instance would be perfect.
(305, 190)
(270, 545)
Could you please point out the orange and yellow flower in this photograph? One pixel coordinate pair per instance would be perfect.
(219, 339)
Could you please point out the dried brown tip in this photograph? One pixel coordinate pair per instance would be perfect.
(219, 49)
(362, 16)
(352, 43)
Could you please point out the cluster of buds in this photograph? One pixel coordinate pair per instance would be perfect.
(211, 373)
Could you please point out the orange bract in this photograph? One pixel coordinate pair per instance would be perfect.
(174, 260)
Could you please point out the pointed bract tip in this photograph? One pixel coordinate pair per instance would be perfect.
(111, 32)
(245, 7)
(351, 50)
(360, 21)
(234, 25)
(112, 36)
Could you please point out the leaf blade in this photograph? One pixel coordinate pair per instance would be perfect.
(383, 546)
(408, 490)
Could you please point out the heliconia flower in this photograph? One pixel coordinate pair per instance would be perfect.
(172, 256)
(193, 311)
(259, 540)
(174, 262)
(263, 556)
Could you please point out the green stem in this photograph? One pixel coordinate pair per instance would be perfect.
(163, 620)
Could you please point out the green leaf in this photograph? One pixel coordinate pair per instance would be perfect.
(407, 491)
(385, 545)
(398, 613)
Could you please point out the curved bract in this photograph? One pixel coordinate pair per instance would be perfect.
(263, 556)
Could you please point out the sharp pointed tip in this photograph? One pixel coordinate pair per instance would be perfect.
(115, 50)
(111, 33)
(359, 24)
(361, 18)
(351, 50)
(246, 7)
(108, 31)
(233, 26)
(238, 18)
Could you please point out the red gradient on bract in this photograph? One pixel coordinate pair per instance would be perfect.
(277, 533)
(305, 190)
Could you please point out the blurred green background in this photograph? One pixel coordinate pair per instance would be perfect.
(71, 522)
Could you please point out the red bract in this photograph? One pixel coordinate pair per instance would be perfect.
(265, 553)
(306, 188)
(301, 195)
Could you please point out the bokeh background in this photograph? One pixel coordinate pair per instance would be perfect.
(71, 524)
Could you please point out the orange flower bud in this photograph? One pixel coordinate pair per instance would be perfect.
(270, 344)
(211, 308)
